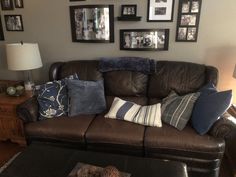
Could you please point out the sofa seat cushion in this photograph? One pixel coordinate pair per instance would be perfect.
(115, 136)
(187, 142)
(62, 129)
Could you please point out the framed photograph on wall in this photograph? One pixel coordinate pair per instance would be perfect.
(92, 23)
(144, 39)
(14, 23)
(160, 10)
(129, 10)
(7, 4)
(19, 3)
(2, 38)
(188, 20)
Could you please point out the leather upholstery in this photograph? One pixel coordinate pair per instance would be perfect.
(224, 127)
(201, 153)
(187, 142)
(87, 70)
(125, 83)
(60, 129)
(119, 135)
(179, 76)
(28, 111)
(54, 70)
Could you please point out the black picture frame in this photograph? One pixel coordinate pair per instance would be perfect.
(188, 20)
(160, 10)
(7, 5)
(14, 23)
(128, 10)
(2, 38)
(19, 3)
(150, 40)
(76, 0)
(92, 33)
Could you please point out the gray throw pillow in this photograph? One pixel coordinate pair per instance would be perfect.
(86, 97)
(176, 110)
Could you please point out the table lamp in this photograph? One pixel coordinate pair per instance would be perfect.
(24, 57)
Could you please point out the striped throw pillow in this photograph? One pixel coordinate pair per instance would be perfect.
(121, 109)
(129, 111)
(176, 110)
(149, 116)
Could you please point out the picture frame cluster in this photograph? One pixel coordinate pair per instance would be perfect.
(11, 4)
(188, 20)
(85, 20)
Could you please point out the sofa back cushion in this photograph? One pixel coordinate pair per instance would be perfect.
(182, 77)
(125, 83)
(87, 70)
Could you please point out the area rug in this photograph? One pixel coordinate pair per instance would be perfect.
(8, 162)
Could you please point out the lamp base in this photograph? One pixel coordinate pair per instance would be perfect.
(29, 85)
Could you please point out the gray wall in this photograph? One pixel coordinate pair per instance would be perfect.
(47, 22)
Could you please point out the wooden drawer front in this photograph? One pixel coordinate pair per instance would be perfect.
(11, 127)
(7, 110)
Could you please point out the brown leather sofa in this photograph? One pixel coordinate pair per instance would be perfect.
(202, 154)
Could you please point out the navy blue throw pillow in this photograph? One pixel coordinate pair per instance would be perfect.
(209, 107)
(86, 97)
(53, 98)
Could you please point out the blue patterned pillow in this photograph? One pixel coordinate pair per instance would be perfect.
(53, 98)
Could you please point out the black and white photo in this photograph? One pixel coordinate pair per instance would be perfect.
(7, 4)
(191, 36)
(185, 7)
(19, 3)
(160, 10)
(188, 20)
(195, 7)
(14, 23)
(92, 23)
(129, 10)
(144, 39)
(182, 33)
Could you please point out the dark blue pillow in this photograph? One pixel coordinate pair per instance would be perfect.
(209, 107)
(53, 98)
(86, 97)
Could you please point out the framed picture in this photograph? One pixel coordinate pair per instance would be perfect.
(188, 20)
(92, 23)
(144, 39)
(129, 10)
(2, 38)
(14, 23)
(160, 10)
(76, 0)
(7, 4)
(19, 4)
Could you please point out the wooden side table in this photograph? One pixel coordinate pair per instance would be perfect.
(11, 127)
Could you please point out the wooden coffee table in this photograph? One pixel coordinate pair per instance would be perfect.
(50, 161)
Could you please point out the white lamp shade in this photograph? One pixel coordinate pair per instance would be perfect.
(24, 56)
(234, 75)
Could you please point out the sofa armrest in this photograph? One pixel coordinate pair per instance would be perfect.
(224, 127)
(28, 111)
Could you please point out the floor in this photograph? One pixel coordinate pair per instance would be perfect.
(7, 150)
